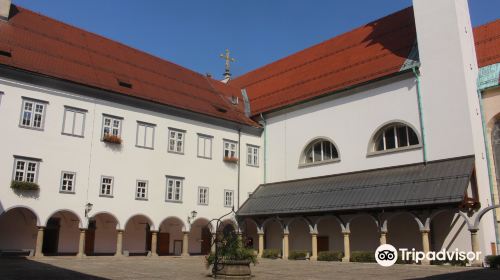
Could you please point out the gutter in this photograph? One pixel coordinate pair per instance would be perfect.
(265, 146)
(239, 164)
(420, 113)
(488, 163)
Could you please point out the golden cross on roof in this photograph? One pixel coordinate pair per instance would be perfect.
(228, 59)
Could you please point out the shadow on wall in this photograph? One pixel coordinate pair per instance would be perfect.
(22, 268)
(477, 274)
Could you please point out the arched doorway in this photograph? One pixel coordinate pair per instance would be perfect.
(62, 234)
(200, 237)
(18, 230)
(101, 235)
(251, 237)
(137, 235)
(330, 236)
(170, 237)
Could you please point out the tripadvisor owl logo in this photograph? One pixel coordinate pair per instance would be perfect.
(386, 255)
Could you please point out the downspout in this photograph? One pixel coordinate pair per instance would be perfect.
(265, 146)
(239, 164)
(420, 114)
(488, 164)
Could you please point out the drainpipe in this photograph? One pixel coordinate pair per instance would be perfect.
(488, 163)
(239, 164)
(420, 113)
(265, 147)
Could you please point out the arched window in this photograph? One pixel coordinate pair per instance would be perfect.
(394, 136)
(319, 150)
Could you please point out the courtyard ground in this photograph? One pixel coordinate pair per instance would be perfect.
(193, 268)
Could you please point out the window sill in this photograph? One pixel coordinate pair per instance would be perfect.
(174, 152)
(204, 157)
(174, 201)
(67, 192)
(305, 165)
(141, 199)
(228, 206)
(106, 195)
(251, 165)
(392, 151)
(72, 135)
(32, 128)
(144, 147)
(203, 204)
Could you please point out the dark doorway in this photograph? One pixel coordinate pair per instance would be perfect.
(323, 243)
(90, 238)
(51, 236)
(148, 238)
(206, 238)
(163, 243)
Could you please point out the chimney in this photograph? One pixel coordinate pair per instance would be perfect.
(5, 9)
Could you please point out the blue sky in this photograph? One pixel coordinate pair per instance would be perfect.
(193, 33)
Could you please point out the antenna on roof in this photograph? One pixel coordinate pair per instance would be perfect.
(228, 59)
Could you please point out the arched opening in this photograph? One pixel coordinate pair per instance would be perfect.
(364, 234)
(330, 236)
(62, 234)
(18, 231)
(447, 231)
(394, 136)
(200, 237)
(403, 232)
(137, 235)
(251, 237)
(299, 236)
(170, 237)
(273, 235)
(319, 150)
(101, 235)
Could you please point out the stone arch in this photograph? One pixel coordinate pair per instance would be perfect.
(311, 142)
(101, 234)
(380, 128)
(250, 229)
(308, 222)
(273, 233)
(273, 219)
(62, 233)
(137, 234)
(403, 230)
(299, 234)
(330, 237)
(364, 232)
(200, 237)
(80, 220)
(362, 215)
(18, 228)
(170, 235)
(446, 229)
(109, 214)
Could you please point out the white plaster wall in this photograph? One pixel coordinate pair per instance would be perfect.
(69, 233)
(349, 120)
(449, 232)
(299, 238)
(134, 236)
(90, 158)
(273, 235)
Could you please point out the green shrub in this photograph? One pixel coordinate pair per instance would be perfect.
(492, 261)
(297, 255)
(271, 253)
(24, 186)
(363, 256)
(330, 256)
(232, 249)
(453, 262)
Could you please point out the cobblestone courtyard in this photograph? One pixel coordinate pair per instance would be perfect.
(193, 268)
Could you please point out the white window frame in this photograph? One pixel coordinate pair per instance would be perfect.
(139, 194)
(34, 105)
(229, 150)
(253, 155)
(112, 128)
(75, 111)
(381, 133)
(323, 159)
(173, 189)
(63, 188)
(24, 170)
(226, 192)
(175, 138)
(206, 139)
(206, 194)
(146, 125)
(111, 186)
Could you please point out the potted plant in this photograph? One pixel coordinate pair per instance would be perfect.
(24, 186)
(112, 139)
(233, 259)
(231, 159)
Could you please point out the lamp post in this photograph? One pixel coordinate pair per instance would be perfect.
(192, 217)
(88, 208)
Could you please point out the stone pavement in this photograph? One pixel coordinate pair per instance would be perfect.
(194, 268)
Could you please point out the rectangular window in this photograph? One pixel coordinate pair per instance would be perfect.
(106, 186)
(145, 135)
(228, 198)
(33, 113)
(252, 155)
(176, 140)
(111, 126)
(141, 190)
(174, 189)
(230, 149)
(26, 170)
(205, 146)
(74, 121)
(202, 195)
(68, 182)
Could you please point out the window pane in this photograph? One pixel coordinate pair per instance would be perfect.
(402, 136)
(78, 129)
(390, 143)
(141, 132)
(149, 136)
(413, 139)
(327, 150)
(317, 152)
(68, 122)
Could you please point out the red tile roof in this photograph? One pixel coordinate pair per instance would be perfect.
(369, 52)
(49, 47)
(487, 38)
